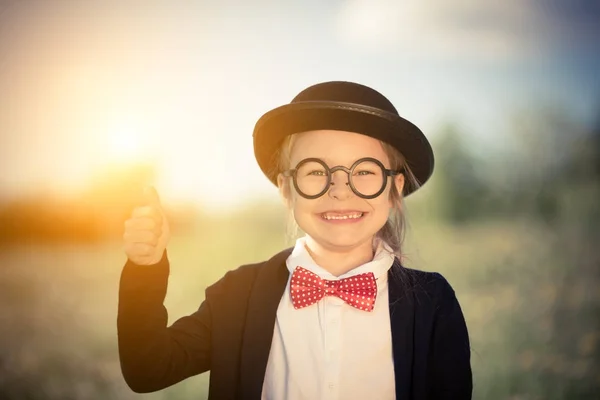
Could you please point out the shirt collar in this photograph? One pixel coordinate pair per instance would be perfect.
(381, 263)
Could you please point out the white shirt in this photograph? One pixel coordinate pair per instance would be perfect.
(331, 350)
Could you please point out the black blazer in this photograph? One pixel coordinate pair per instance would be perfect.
(231, 332)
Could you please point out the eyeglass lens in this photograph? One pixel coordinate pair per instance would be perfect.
(367, 178)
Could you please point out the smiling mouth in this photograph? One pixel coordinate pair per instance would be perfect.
(334, 216)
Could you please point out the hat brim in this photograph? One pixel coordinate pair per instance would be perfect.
(272, 128)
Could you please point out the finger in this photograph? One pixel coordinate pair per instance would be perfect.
(146, 237)
(147, 212)
(139, 249)
(151, 196)
(143, 223)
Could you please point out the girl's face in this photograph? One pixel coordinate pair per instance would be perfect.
(315, 216)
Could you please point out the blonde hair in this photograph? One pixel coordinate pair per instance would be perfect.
(393, 232)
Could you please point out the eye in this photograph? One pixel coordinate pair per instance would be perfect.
(365, 172)
(316, 172)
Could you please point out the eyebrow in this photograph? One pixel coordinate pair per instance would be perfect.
(328, 161)
(330, 164)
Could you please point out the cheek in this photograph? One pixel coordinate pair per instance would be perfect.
(381, 205)
(303, 210)
(292, 197)
(380, 209)
(303, 205)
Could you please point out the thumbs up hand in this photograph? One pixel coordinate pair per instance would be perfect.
(147, 231)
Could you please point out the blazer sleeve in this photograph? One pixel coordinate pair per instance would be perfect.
(451, 352)
(152, 355)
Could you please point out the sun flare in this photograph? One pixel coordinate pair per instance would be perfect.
(124, 145)
(129, 143)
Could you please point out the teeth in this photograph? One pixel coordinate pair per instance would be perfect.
(349, 216)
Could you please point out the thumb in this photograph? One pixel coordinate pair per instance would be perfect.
(150, 196)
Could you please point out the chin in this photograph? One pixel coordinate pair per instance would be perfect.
(342, 235)
(340, 240)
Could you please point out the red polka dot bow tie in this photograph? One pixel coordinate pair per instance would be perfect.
(308, 288)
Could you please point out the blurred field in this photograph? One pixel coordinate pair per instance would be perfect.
(516, 236)
(99, 99)
(530, 309)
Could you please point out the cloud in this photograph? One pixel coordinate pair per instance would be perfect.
(480, 30)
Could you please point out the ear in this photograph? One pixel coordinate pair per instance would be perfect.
(399, 183)
(284, 189)
(399, 186)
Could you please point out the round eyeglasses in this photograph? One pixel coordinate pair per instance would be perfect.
(367, 177)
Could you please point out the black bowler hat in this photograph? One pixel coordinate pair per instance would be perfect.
(343, 106)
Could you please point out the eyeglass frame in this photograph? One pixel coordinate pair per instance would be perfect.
(330, 171)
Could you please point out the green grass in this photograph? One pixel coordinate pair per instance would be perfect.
(530, 304)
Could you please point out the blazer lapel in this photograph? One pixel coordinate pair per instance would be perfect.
(260, 322)
(402, 325)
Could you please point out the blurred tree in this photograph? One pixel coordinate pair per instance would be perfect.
(460, 188)
(556, 166)
(549, 156)
(546, 168)
(97, 214)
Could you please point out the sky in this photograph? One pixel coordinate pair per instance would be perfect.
(88, 85)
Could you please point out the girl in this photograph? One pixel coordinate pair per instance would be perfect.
(335, 317)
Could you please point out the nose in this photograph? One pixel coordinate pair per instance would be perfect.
(339, 186)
